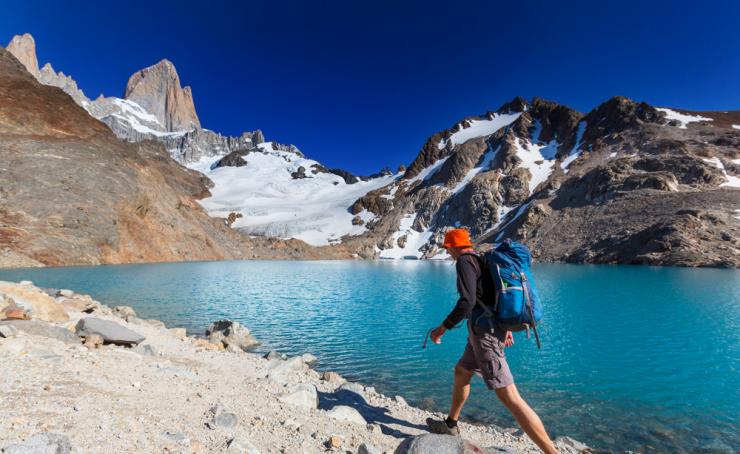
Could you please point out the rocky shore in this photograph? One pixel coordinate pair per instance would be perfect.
(79, 376)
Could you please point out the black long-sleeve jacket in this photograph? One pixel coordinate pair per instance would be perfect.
(473, 284)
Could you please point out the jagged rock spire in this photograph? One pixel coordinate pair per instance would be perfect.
(157, 89)
(23, 47)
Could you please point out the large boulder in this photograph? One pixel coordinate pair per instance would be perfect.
(444, 444)
(111, 332)
(228, 333)
(303, 396)
(32, 299)
(38, 328)
(45, 443)
(345, 413)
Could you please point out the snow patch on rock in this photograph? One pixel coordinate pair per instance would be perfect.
(732, 181)
(538, 159)
(484, 165)
(414, 241)
(479, 128)
(576, 151)
(683, 119)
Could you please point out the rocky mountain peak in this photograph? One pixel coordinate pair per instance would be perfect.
(157, 89)
(23, 47)
(517, 104)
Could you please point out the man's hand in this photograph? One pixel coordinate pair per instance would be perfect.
(509, 340)
(437, 333)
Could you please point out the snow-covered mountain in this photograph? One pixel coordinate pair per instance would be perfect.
(626, 182)
(275, 192)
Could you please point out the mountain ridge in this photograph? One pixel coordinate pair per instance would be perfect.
(536, 170)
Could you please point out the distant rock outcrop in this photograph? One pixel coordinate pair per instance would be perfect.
(23, 47)
(157, 89)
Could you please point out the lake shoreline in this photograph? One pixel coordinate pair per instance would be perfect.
(179, 393)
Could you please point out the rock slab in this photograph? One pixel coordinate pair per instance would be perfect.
(111, 332)
(46, 443)
(37, 328)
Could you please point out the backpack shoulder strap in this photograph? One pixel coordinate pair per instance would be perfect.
(480, 264)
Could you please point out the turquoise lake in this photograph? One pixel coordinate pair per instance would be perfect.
(640, 358)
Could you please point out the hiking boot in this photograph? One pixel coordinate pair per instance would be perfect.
(437, 426)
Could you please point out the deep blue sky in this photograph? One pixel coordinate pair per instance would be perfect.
(362, 84)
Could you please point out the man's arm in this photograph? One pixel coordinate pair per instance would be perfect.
(467, 285)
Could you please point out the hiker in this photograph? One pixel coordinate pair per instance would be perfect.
(484, 352)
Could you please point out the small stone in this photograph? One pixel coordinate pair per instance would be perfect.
(137, 385)
(241, 445)
(571, 443)
(309, 358)
(47, 387)
(367, 449)
(332, 377)
(65, 293)
(93, 341)
(292, 423)
(8, 331)
(197, 447)
(155, 323)
(222, 419)
(124, 312)
(145, 350)
(272, 354)
(400, 400)
(179, 333)
(177, 438)
(374, 428)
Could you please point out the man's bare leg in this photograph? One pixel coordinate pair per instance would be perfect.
(526, 417)
(460, 391)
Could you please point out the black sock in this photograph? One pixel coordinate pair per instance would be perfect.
(451, 422)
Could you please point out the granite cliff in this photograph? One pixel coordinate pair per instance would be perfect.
(72, 193)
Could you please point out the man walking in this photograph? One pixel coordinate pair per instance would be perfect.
(484, 352)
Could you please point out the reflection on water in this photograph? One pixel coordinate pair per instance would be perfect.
(633, 357)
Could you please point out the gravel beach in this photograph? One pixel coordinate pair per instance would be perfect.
(72, 386)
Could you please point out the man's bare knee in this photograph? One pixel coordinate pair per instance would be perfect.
(509, 396)
(463, 374)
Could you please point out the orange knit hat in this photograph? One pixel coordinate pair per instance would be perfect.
(457, 238)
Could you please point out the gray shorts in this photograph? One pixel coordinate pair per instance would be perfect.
(484, 355)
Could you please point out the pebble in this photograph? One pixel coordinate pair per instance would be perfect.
(334, 442)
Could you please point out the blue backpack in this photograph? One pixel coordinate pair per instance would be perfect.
(517, 305)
